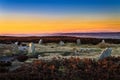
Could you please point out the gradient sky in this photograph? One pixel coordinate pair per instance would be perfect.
(54, 16)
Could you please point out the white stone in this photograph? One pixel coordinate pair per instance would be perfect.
(39, 57)
(16, 43)
(40, 41)
(78, 41)
(76, 52)
(22, 48)
(105, 53)
(62, 43)
(103, 41)
(31, 48)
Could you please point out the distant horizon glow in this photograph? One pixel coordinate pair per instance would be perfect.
(59, 16)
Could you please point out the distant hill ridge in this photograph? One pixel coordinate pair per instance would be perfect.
(56, 39)
(60, 34)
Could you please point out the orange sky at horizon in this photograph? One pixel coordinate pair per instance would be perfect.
(59, 16)
(40, 25)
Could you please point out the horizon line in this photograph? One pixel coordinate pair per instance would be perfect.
(49, 34)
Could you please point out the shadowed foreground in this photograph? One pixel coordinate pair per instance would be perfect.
(67, 69)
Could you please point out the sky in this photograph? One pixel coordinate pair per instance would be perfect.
(59, 16)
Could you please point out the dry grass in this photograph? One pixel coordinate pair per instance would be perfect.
(104, 45)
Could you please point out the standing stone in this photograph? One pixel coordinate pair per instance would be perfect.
(76, 52)
(22, 48)
(103, 41)
(16, 43)
(78, 41)
(39, 57)
(31, 48)
(105, 53)
(40, 41)
(62, 43)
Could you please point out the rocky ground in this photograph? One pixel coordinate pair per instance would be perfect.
(88, 50)
(69, 49)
